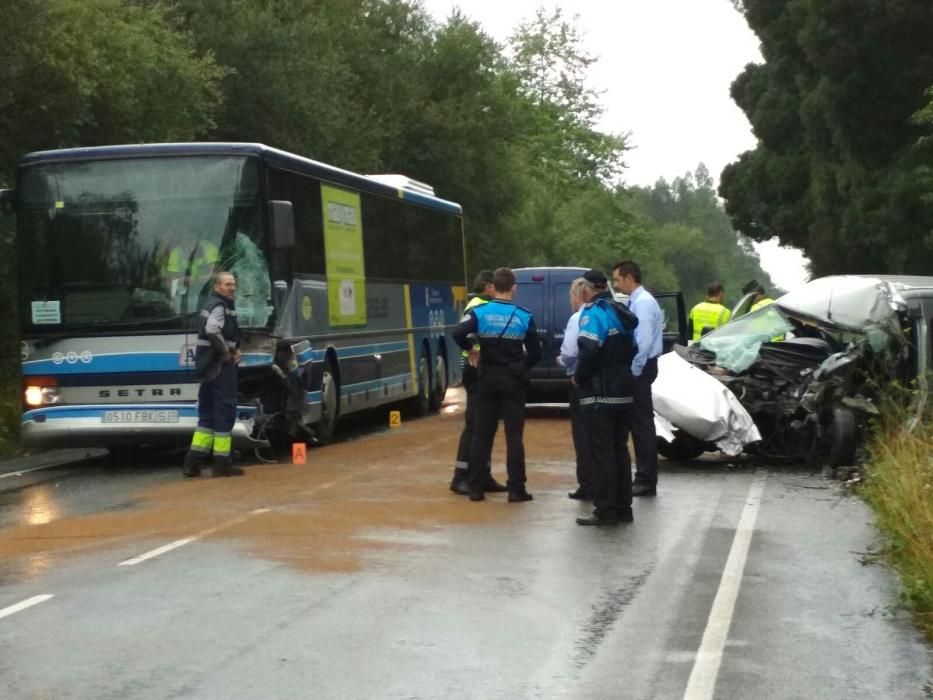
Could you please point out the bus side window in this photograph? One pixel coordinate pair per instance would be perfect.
(307, 256)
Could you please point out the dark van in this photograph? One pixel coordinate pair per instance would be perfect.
(545, 291)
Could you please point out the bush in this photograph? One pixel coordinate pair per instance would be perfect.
(10, 414)
(899, 486)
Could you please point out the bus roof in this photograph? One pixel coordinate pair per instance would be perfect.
(273, 156)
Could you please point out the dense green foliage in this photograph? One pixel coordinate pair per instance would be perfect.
(842, 166)
(509, 131)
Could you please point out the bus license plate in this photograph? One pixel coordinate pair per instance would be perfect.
(140, 417)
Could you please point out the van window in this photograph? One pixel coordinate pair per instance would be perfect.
(531, 296)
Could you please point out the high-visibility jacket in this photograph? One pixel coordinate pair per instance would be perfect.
(707, 316)
(198, 263)
(474, 302)
(761, 304)
(767, 301)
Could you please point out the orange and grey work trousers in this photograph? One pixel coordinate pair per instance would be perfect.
(217, 400)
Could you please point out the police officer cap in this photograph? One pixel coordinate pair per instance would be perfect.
(596, 278)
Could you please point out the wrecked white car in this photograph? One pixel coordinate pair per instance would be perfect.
(805, 370)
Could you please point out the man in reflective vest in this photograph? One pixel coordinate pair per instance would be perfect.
(483, 290)
(761, 299)
(183, 267)
(710, 314)
(216, 360)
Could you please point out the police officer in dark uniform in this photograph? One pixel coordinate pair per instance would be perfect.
(509, 347)
(606, 348)
(216, 359)
(483, 291)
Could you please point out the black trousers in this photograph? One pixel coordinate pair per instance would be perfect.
(500, 391)
(580, 444)
(607, 430)
(643, 433)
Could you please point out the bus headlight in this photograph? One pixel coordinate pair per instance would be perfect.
(41, 392)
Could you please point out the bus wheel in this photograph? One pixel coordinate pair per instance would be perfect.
(330, 405)
(421, 402)
(439, 386)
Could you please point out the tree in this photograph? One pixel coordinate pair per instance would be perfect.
(91, 72)
(835, 169)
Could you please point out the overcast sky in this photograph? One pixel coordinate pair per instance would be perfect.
(664, 68)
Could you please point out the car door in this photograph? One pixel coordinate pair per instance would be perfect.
(674, 324)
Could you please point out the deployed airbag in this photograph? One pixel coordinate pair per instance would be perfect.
(701, 406)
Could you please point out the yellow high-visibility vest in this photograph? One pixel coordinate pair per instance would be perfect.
(197, 264)
(475, 301)
(708, 315)
(761, 304)
(767, 301)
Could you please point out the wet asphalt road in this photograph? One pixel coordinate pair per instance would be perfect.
(359, 575)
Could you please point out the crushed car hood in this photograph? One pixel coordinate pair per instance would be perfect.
(693, 401)
(863, 304)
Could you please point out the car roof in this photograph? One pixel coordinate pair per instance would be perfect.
(907, 281)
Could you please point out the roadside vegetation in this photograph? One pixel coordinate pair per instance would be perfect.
(899, 486)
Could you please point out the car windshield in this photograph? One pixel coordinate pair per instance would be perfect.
(131, 244)
(736, 344)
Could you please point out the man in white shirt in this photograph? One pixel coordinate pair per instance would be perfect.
(581, 290)
(626, 278)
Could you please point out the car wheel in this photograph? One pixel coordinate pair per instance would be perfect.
(683, 449)
(842, 447)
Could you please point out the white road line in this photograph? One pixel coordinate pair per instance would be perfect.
(702, 681)
(27, 471)
(28, 603)
(158, 551)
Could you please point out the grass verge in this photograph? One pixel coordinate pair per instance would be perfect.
(899, 486)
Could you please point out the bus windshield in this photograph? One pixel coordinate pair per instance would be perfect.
(131, 244)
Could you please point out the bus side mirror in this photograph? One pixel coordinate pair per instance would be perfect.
(7, 201)
(283, 224)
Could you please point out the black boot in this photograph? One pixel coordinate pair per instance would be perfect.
(224, 467)
(192, 465)
(459, 483)
(519, 495)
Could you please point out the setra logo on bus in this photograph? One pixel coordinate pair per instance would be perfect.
(139, 392)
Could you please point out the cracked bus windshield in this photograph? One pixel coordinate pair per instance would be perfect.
(134, 242)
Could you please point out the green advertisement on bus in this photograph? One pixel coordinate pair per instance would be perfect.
(343, 250)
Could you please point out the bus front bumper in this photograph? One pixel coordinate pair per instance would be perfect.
(126, 424)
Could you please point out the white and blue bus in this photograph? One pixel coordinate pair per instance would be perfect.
(347, 286)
